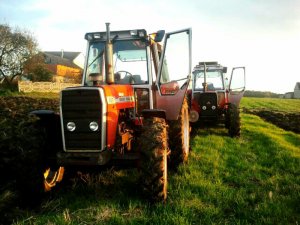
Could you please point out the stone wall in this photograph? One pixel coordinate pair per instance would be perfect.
(28, 86)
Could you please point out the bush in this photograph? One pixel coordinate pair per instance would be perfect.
(261, 94)
(7, 89)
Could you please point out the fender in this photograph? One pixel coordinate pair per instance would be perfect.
(44, 114)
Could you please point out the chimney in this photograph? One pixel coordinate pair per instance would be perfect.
(62, 53)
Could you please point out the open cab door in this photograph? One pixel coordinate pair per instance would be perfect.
(236, 85)
(174, 72)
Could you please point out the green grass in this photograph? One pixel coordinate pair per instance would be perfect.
(278, 104)
(251, 180)
(36, 94)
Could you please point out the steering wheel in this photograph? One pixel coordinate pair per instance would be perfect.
(127, 74)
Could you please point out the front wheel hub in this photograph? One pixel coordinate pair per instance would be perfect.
(193, 116)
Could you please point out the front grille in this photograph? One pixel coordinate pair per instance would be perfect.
(208, 100)
(81, 106)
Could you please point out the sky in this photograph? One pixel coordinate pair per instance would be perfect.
(262, 35)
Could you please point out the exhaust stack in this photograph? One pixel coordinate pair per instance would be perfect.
(109, 66)
(204, 84)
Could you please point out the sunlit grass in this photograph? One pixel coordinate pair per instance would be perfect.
(29, 94)
(278, 104)
(254, 179)
(38, 94)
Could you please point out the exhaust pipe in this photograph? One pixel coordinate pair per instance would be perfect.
(109, 66)
(204, 84)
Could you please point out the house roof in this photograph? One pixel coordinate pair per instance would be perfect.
(66, 55)
(66, 60)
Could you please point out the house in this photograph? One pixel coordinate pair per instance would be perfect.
(295, 94)
(66, 66)
(297, 90)
(288, 95)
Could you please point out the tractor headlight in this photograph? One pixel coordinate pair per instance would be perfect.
(204, 107)
(94, 126)
(213, 107)
(71, 126)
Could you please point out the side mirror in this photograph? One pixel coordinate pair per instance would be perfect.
(224, 69)
(159, 36)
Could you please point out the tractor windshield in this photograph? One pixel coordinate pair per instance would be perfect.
(214, 80)
(130, 63)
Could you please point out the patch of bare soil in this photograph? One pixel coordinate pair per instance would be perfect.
(284, 120)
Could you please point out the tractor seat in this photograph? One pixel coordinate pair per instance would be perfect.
(210, 87)
(137, 79)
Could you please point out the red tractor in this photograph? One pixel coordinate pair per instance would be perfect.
(131, 107)
(213, 99)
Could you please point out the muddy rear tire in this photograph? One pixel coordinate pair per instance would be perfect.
(179, 137)
(233, 121)
(153, 165)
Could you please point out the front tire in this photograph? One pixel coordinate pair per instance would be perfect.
(179, 137)
(233, 121)
(153, 148)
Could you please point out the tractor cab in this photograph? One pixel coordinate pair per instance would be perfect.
(129, 58)
(208, 77)
(153, 76)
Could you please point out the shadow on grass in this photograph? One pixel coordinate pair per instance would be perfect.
(111, 184)
(84, 189)
(201, 128)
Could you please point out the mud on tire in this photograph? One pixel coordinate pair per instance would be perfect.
(179, 137)
(153, 165)
(233, 121)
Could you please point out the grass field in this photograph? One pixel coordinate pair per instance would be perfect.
(285, 105)
(254, 179)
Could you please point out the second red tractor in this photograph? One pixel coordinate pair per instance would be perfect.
(213, 99)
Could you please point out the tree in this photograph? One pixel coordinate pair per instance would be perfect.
(35, 69)
(16, 47)
(40, 73)
(73, 77)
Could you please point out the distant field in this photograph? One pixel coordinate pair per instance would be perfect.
(254, 179)
(278, 104)
(285, 113)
